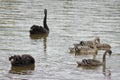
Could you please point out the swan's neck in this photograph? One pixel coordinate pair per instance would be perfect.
(45, 22)
(104, 58)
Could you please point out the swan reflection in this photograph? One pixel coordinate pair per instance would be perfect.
(24, 70)
(41, 36)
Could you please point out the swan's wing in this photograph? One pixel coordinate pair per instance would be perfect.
(94, 62)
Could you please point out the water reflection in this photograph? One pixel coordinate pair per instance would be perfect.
(38, 36)
(106, 72)
(41, 36)
(45, 43)
(71, 20)
(24, 70)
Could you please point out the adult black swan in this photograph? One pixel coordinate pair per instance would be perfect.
(22, 60)
(36, 29)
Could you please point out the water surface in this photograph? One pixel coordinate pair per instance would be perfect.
(69, 21)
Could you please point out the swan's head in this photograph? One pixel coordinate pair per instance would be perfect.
(82, 43)
(45, 11)
(15, 60)
(109, 52)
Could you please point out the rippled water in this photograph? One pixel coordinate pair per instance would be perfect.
(69, 21)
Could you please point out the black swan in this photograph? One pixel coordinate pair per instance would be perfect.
(22, 60)
(36, 29)
(93, 62)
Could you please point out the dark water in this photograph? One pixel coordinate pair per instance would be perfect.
(69, 21)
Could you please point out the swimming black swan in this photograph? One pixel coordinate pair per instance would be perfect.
(93, 62)
(36, 29)
(22, 60)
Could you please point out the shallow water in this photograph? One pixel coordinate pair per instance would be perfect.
(69, 21)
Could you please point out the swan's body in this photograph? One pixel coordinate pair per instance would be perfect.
(86, 49)
(103, 46)
(89, 43)
(93, 62)
(76, 49)
(22, 60)
(36, 29)
(89, 62)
